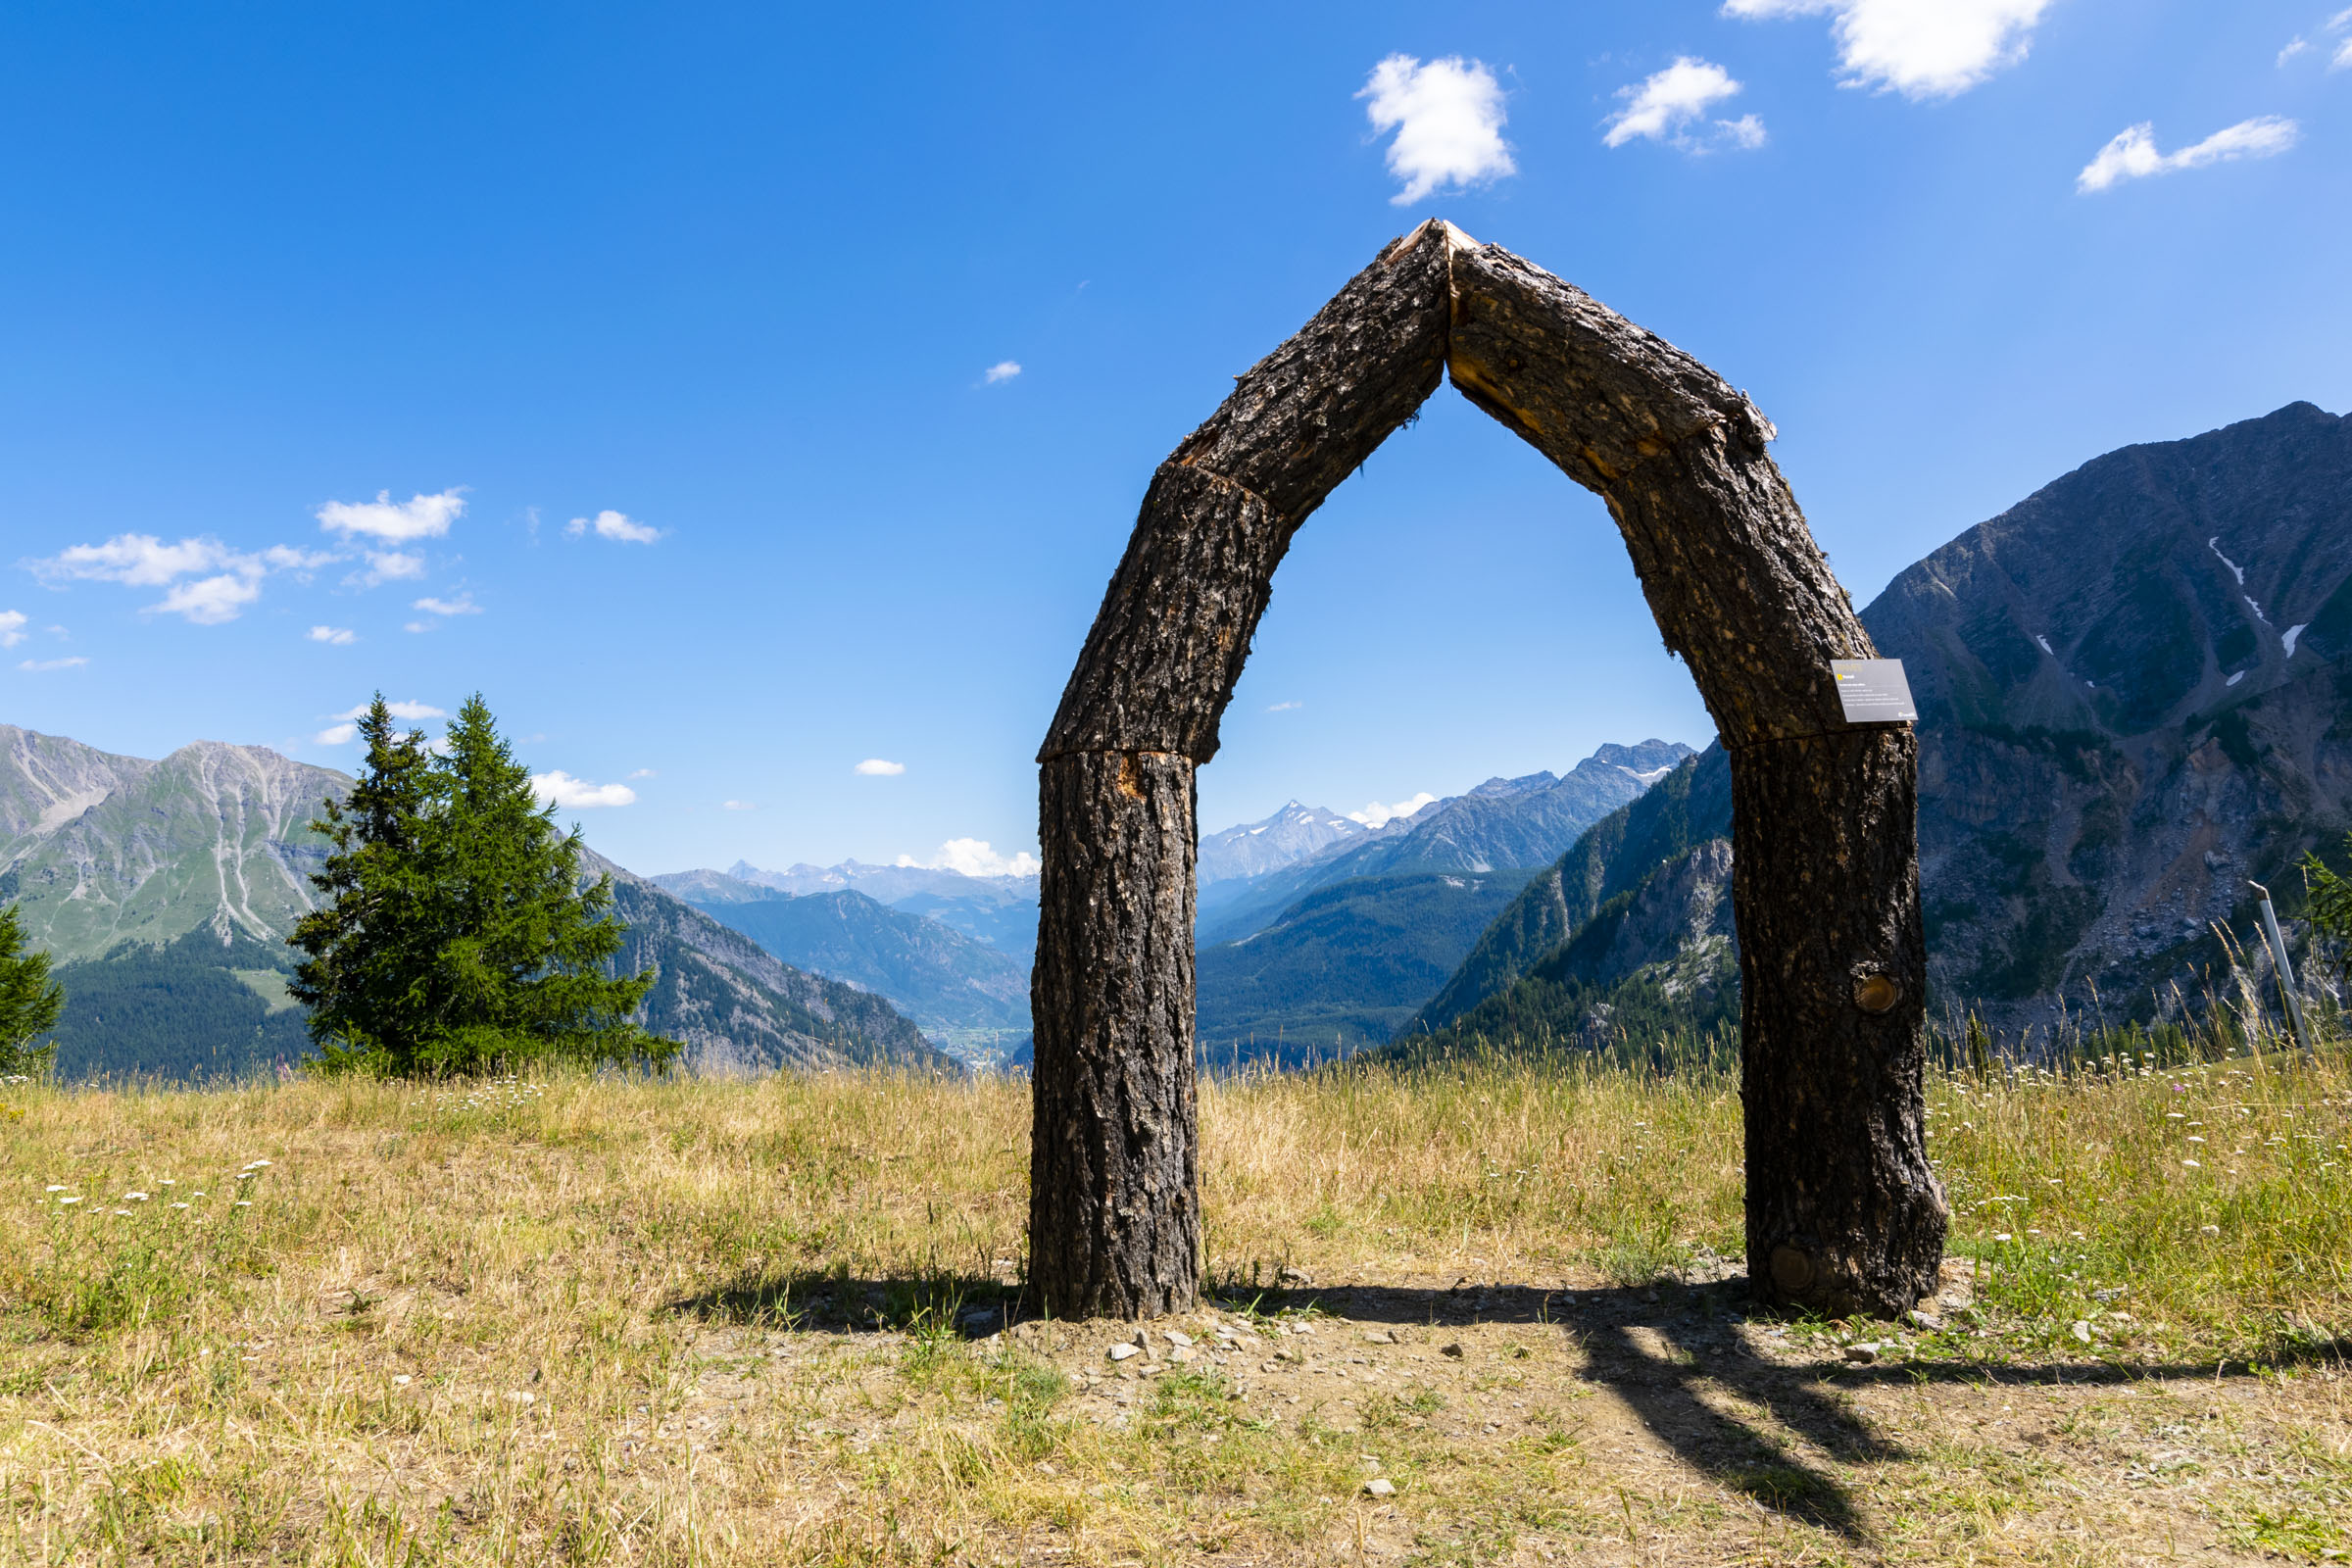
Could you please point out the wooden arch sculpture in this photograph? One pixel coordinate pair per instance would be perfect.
(1844, 1212)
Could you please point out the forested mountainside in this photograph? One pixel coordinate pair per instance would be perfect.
(1502, 825)
(165, 892)
(2135, 692)
(1340, 970)
(957, 988)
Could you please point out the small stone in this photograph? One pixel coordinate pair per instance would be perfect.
(1122, 1350)
(1297, 1276)
(1380, 1487)
(1925, 1320)
(1182, 1353)
(1379, 1337)
(1179, 1337)
(1454, 1350)
(2081, 1331)
(1861, 1354)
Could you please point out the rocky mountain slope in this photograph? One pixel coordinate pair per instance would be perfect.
(963, 993)
(2135, 692)
(164, 891)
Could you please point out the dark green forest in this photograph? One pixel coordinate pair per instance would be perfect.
(178, 1011)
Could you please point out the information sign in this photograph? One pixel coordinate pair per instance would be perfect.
(1873, 690)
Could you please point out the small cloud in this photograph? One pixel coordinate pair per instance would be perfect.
(37, 665)
(2341, 21)
(410, 710)
(285, 557)
(2294, 46)
(1920, 48)
(11, 627)
(644, 773)
(876, 767)
(389, 566)
(463, 604)
(737, 805)
(1002, 371)
(339, 636)
(1374, 814)
(336, 735)
(1283, 708)
(559, 788)
(1448, 119)
(419, 625)
(394, 522)
(135, 559)
(614, 525)
(2133, 154)
(210, 600)
(974, 858)
(1668, 106)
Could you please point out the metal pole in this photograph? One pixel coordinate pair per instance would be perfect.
(2286, 970)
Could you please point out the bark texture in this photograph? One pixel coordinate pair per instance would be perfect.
(1114, 1209)
(1843, 1211)
(1114, 1192)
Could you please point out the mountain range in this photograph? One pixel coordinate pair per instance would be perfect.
(2134, 694)
(164, 891)
(1336, 947)
(965, 994)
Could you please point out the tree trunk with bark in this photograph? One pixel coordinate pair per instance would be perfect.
(1843, 1211)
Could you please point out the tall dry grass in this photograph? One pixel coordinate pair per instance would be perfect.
(517, 1322)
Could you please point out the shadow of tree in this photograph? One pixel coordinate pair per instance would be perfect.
(816, 1302)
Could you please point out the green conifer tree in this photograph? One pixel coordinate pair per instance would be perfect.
(30, 1002)
(457, 939)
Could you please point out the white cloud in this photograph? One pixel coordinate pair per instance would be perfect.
(463, 604)
(39, 664)
(210, 600)
(1448, 116)
(409, 710)
(2133, 154)
(644, 772)
(1283, 708)
(340, 636)
(559, 788)
(395, 522)
(11, 627)
(1002, 371)
(419, 625)
(2294, 46)
(2341, 21)
(737, 805)
(390, 565)
(336, 735)
(614, 525)
(143, 561)
(876, 767)
(1919, 48)
(135, 559)
(974, 858)
(1666, 106)
(1374, 813)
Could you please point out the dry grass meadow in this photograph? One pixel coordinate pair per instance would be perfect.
(699, 1322)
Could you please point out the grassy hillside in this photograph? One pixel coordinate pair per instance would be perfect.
(737, 1323)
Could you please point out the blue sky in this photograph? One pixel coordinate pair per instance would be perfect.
(726, 284)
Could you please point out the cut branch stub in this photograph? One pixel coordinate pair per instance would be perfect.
(1842, 1209)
